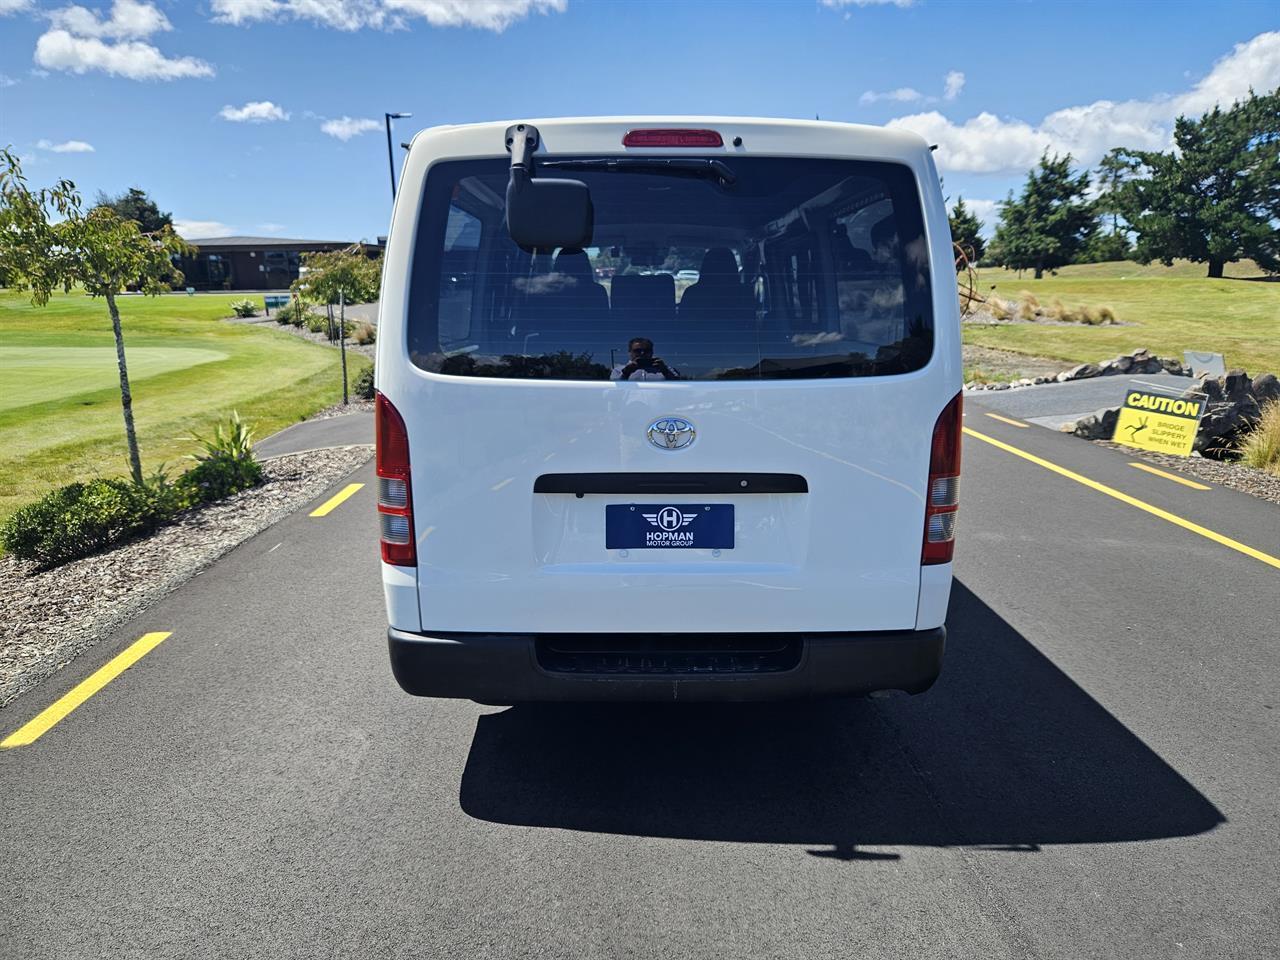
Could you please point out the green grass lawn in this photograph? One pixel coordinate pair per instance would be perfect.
(1171, 308)
(60, 416)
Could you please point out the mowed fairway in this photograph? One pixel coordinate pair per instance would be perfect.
(60, 414)
(1171, 309)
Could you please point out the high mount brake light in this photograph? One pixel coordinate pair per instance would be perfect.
(395, 501)
(672, 138)
(944, 485)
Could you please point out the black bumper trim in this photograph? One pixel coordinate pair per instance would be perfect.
(656, 484)
(503, 668)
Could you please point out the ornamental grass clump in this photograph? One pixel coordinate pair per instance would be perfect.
(244, 308)
(1260, 447)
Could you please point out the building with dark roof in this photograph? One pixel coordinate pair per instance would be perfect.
(254, 263)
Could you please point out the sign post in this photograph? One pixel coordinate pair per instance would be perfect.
(1153, 421)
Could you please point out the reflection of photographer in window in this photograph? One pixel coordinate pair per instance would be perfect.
(644, 365)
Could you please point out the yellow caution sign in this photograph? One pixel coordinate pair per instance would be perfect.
(1151, 421)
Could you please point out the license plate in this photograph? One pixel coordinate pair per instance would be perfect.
(658, 526)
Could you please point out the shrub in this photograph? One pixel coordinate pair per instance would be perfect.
(364, 333)
(363, 385)
(1260, 447)
(244, 308)
(1106, 315)
(998, 308)
(317, 323)
(82, 518)
(226, 466)
(294, 313)
(1027, 309)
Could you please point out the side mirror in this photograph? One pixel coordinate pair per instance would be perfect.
(544, 213)
(549, 213)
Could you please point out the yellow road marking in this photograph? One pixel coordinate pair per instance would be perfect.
(1205, 532)
(336, 500)
(1016, 423)
(31, 731)
(1172, 476)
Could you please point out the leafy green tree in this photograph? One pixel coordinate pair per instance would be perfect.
(1215, 198)
(134, 204)
(48, 242)
(1051, 223)
(966, 231)
(349, 272)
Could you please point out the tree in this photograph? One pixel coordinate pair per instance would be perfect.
(47, 241)
(1215, 198)
(966, 231)
(1114, 244)
(347, 271)
(134, 204)
(1051, 223)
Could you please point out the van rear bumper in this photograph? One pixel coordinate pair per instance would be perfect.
(506, 668)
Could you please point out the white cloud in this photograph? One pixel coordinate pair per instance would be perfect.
(255, 111)
(59, 50)
(494, 15)
(201, 229)
(69, 146)
(901, 95)
(129, 20)
(988, 211)
(8, 7)
(270, 227)
(989, 144)
(8, 81)
(954, 84)
(344, 128)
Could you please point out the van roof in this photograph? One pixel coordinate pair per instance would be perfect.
(760, 136)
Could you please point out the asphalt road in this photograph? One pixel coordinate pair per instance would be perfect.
(1052, 404)
(1097, 773)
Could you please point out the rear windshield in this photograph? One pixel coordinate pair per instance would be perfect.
(796, 269)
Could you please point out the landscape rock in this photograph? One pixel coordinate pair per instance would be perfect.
(1170, 365)
(1233, 405)
(1082, 372)
(1095, 426)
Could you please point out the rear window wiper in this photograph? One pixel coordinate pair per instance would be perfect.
(673, 167)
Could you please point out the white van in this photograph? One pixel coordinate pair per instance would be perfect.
(599, 481)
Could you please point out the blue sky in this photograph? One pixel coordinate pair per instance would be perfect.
(244, 116)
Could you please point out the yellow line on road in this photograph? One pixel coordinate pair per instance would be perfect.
(31, 731)
(1172, 476)
(1016, 423)
(1132, 501)
(336, 500)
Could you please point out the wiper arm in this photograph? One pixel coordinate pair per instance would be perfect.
(663, 166)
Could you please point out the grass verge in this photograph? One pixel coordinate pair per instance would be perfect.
(60, 417)
(1170, 310)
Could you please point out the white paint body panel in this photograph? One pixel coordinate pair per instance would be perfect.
(495, 557)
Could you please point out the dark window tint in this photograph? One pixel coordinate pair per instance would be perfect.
(798, 268)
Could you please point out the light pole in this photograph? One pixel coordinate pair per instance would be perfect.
(391, 159)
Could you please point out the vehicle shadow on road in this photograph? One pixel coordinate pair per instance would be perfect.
(1005, 751)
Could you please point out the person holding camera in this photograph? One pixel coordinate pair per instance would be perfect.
(643, 364)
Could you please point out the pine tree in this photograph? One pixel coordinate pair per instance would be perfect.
(966, 231)
(135, 205)
(1051, 223)
(1216, 198)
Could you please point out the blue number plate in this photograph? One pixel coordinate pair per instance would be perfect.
(636, 526)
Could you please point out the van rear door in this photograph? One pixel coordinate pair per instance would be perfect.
(600, 443)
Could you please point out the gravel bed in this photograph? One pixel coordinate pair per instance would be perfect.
(1006, 364)
(1237, 476)
(51, 616)
(340, 410)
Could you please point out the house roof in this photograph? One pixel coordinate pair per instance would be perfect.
(257, 243)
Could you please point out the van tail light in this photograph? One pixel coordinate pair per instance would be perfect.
(672, 138)
(944, 485)
(395, 500)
